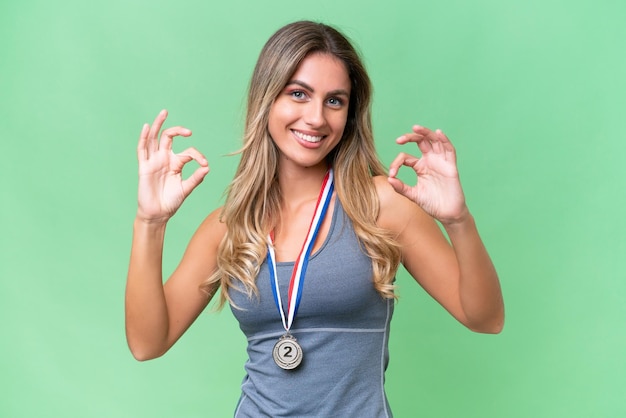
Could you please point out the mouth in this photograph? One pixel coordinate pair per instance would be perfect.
(308, 138)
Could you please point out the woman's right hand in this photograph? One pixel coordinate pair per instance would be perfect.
(162, 189)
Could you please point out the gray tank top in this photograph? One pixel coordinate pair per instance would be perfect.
(342, 325)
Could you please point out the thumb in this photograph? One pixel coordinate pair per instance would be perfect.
(194, 180)
(399, 186)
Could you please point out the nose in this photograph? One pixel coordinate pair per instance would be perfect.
(314, 114)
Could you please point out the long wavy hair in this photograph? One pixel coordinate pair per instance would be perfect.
(253, 199)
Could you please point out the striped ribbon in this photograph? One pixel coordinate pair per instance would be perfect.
(299, 269)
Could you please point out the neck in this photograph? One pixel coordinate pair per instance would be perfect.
(299, 185)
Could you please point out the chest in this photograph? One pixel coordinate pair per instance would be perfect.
(291, 233)
(337, 290)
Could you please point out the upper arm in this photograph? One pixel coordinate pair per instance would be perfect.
(184, 297)
(426, 253)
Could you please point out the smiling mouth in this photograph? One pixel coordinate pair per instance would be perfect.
(308, 138)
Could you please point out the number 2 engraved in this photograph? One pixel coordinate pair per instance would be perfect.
(288, 350)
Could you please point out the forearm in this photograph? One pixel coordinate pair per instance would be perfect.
(147, 322)
(479, 286)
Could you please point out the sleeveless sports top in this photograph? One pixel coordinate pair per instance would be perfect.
(342, 325)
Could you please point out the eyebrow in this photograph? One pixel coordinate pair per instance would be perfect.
(338, 92)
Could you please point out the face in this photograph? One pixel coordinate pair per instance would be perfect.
(308, 117)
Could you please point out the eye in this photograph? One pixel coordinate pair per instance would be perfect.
(297, 94)
(335, 101)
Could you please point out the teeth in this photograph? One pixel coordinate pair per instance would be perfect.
(308, 138)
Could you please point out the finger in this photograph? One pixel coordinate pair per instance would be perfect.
(445, 141)
(403, 159)
(167, 136)
(422, 130)
(193, 154)
(400, 187)
(142, 150)
(448, 148)
(194, 180)
(438, 140)
(433, 136)
(155, 128)
(422, 141)
(436, 145)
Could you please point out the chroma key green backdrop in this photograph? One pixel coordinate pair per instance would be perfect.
(532, 93)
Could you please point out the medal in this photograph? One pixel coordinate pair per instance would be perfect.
(287, 352)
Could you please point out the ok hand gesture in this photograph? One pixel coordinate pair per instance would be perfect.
(161, 187)
(438, 190)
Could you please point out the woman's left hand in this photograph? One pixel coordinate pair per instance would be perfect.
(438, 190)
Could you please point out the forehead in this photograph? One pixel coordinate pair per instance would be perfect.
(323, 71)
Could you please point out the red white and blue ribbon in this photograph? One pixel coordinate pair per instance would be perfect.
(299, 269)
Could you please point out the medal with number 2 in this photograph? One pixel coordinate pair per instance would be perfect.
(287, 352)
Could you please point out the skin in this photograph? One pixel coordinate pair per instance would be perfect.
(461, 276)
(313, 105)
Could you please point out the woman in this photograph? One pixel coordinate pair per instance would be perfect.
(307, 245)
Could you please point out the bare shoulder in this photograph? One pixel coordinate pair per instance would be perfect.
(200, 258)
(213, 227)
(396, 211)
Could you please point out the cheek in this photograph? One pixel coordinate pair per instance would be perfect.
(274, 121)
(339, 120)
(281, 115)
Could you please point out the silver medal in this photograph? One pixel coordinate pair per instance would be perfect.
(287, 352)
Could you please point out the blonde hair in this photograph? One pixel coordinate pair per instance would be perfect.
(253, 199)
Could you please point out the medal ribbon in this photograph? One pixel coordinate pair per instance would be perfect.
(299, 269)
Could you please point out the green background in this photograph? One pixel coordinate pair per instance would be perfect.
(532, 93)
